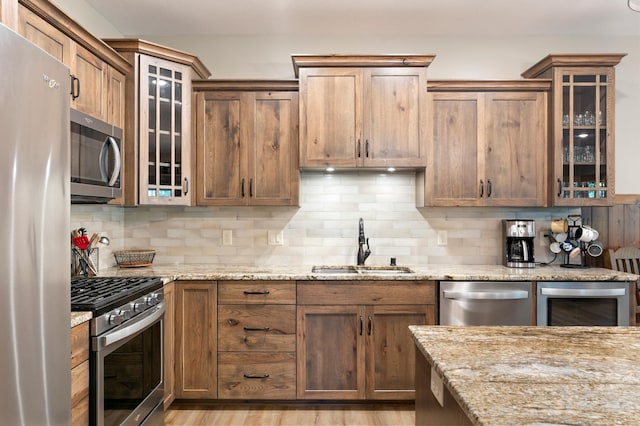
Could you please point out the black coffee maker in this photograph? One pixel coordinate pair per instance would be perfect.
(518, 243)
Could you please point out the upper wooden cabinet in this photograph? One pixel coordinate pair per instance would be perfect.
(9, 13)
(362, 111)
(581, 154)
(487, 144)
(158, 156)
(97, 70)
(247, 142)
(89, 85)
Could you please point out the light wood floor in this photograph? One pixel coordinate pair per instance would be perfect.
(299, 415)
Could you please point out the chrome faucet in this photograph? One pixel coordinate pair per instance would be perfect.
(362, 253)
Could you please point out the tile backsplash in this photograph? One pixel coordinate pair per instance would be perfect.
(323, 230)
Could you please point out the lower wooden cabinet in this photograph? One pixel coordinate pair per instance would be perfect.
(169, 344)
(256, 340)
(287, 340)
(195, 340)
(257, 375)
(353, 340)
(80, 374)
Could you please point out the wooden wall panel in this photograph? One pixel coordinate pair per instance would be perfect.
(618, 225)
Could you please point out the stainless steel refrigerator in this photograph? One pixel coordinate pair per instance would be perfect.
(35, 340)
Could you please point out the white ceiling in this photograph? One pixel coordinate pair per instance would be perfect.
(370, 17)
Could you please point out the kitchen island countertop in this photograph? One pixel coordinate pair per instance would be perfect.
(428, 272)
(537, 375)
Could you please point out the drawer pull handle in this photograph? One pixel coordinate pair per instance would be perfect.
(265, 329)
(251, 376)
(257, 292)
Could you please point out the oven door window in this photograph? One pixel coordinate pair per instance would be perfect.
(131, 373)
(582, 311)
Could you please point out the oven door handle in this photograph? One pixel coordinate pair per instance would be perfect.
(583, 292)
(136, 325)
(486, 295)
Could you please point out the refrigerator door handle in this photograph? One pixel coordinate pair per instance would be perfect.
(110, 142)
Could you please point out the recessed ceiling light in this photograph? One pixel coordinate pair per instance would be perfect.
(391, 169)
(634, 5)
(330, 169)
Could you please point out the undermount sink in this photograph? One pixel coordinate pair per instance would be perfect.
(352, 269)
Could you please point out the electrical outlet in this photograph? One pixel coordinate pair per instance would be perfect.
(542, 238)
(275, 238)
(227, 237)
(437, 387)
(442, 238)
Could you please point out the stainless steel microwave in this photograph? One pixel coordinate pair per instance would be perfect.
(96, 159)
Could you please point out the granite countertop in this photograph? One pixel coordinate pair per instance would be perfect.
(538, 375)
(78, 318)
(429, 272)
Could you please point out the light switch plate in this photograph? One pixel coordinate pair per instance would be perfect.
(227, 237)
(275, 238)
(437, 387)
(541, 237)
(442, 238)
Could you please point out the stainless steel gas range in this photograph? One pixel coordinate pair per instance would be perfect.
(126, 382)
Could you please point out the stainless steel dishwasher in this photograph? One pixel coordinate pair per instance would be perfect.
(485, 303)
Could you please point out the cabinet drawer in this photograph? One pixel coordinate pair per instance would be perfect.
(367, 293)
(257, 292)
(80, 394)
(256, 375)
(79, 344)
(257, 328)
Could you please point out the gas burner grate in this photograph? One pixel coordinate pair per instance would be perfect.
(95, 293)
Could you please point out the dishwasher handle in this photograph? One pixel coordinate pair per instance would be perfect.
(583, 292)
(486, 295)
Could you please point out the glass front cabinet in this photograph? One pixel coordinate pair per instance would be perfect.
(159, 123)
(582, 115)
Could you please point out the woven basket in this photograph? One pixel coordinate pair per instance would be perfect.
(134, 258)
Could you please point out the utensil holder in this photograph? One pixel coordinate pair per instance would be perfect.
(79, 266)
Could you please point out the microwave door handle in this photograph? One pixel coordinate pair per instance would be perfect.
(486, 295)
(110, 142)
(583, 292)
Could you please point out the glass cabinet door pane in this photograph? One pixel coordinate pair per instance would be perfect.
(165, 169)
(584, 136)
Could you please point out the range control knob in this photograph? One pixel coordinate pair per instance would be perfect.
(119, 317)
(152, 300)
(140, 306)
